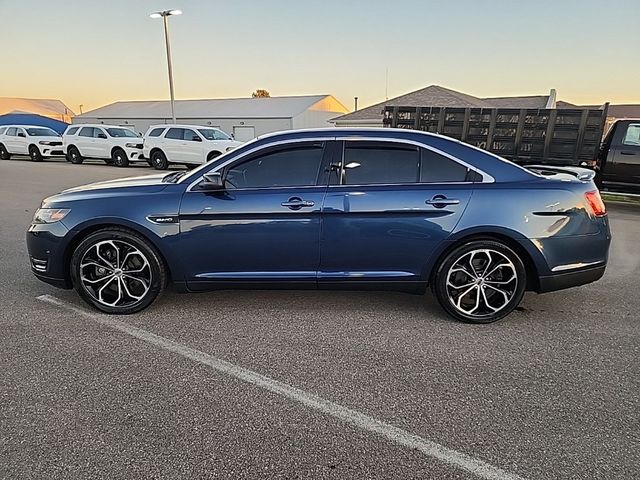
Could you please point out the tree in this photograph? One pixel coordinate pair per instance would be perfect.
(260, 93)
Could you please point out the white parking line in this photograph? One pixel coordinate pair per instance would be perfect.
(394, 434)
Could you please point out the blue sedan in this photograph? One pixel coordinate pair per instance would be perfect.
(371, 209)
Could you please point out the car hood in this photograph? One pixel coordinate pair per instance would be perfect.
(141, 181)
(47, 139)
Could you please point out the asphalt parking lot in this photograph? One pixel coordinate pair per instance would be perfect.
(285, 384)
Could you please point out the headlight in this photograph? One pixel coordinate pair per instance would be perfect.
(50, 215)
(44, 142)
(132, 145)
(229, 149)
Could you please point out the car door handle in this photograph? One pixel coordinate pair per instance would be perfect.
(441, 201)
(296, 203)
(627, 153)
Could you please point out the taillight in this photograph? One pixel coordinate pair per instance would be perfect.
(595, 203)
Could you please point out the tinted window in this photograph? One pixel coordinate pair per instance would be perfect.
(72, 130)
(156, 132)
(289, 167)
(11, 131)
(2, 130)
(380, 162)
(632, 137)
(211, 134)
(86, 132)
(97, 132)
(42, 132)
(189, 135)
(175, 133)
(121, 132)
(437, 168)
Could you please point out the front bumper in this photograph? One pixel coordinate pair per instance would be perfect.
(560, 281)
(134, 154)
(45, 243)
(51, 150)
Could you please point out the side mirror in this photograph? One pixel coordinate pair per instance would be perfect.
(102, 135)
(21, 134)
(212, 181)
(196, 138)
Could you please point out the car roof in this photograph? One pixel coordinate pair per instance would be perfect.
(177, 125)
(103, 125)
(25, 126)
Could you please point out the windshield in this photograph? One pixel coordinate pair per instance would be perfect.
(121, 132)
(212, 134)
(42, 132)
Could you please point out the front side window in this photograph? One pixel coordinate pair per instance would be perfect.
(368, 163)
(20, 132)
(41, 132)
(121, 132)
(288, 167)
(632, 137)
(436, 168)
(175, 134)
(156, 132)
(213, 134)
(72, 130)
(97, 132)
(86, 132)
(190, 135)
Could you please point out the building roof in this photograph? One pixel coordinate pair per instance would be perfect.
(270, 107)
(40, 106)
(616, 111)
(437, 96)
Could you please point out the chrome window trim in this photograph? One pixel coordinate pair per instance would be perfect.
(486, 178)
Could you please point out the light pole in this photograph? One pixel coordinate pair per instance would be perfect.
(165, 14)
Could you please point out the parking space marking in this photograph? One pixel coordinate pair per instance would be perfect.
(391, 433)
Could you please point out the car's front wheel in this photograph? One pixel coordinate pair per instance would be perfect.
(119, 158)
(35, 154)
(159, 160)
(4, 153)
(480, 281)
(117, 271)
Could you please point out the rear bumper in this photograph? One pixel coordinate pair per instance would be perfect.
(560, 281)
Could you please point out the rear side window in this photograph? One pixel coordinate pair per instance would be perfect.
(2, 130)
(72, 130)
(436, 168)
(175, 134)
(290, 167)
(156, 132)
(380, 163)
(86, 132)
(632, 137)
(11, 131)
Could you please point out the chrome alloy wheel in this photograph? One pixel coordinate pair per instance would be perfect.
(115, 273)
(481, 282)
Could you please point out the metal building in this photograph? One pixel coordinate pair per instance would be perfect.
(245, 118)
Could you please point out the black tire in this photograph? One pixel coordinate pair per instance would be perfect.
(34, 154)
(73, 155)
(119, 158)
(119, 236)
(213, 155)
(486, 289)
(159, 160)
(4, 153)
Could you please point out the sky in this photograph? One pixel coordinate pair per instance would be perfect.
(93, 52)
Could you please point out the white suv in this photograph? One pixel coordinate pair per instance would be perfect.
(190, 145)
(37, 142)
(115, 145)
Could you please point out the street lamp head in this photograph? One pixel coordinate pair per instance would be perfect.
(165, 13)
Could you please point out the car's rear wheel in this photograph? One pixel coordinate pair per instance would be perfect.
(119, 158)
(159, 160)
(117, 271)
(480, 282)
(4, 153)
(35, 154)
(73, 155)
